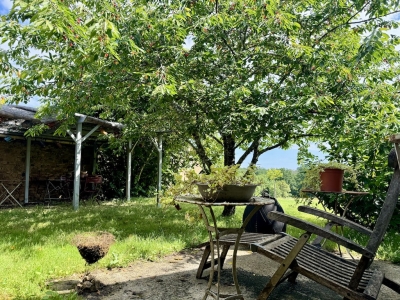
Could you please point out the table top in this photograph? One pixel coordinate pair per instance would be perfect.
(354, 193)
(193, 199)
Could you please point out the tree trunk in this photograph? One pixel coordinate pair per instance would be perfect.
(201, 152)
(229, 150)
(229, 210)
(229, 160)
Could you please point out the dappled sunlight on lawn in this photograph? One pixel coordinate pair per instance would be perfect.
(36, 244)
(37, 241)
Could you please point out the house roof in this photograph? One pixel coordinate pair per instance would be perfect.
(15, 120)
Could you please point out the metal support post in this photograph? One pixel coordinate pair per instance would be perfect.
(129, 171)
(159, 148)
(78, 157)
(27, 168)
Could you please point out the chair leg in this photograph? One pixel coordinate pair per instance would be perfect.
(97, 198)
(391, 284)
(286, 263)
(225, 249)
(292, 277)
(98, 193)
(203, 262)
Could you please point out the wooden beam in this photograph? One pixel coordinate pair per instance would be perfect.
(310, 227)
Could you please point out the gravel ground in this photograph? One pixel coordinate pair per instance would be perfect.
(174, 277)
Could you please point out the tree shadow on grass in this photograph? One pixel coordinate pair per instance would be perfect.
(37, 225)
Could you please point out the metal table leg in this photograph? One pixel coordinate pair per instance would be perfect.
(213, 228)
(239, 235)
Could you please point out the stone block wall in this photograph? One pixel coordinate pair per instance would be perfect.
(48, 161)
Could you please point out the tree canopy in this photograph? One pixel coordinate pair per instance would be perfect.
(254, 74)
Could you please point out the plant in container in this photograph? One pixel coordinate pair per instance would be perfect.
(223, 184)
(328, 177)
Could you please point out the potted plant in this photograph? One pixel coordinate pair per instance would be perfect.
(223, 184)
(328, 177)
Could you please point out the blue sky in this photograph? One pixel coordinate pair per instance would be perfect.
(279, 158)
(5, 6)
(276, 158)
(34, 102)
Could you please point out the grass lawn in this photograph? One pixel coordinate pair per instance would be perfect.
(36, 242)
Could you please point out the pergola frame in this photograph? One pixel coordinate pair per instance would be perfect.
(27, 113)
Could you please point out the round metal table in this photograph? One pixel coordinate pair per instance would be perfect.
(214, 234)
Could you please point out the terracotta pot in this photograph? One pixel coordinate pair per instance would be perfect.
(331, 180)
(229, 193)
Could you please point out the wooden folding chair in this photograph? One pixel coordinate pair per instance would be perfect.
(352, 280)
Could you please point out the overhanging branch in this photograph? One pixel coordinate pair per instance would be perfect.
(253, 146)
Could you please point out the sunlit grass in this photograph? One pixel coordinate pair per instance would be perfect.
(389, 249)
(36, 242)
(290, 205)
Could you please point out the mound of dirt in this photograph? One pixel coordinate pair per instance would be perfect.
(93, 246)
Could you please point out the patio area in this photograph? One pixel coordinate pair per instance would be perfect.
(174, 277)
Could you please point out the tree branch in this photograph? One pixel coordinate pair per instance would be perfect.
(371, 19)
(250, 149)
(256, 155)
(341, 25)
(201, 152)
(216, 139)
(287, 138)
(240, 143)
(229, 47)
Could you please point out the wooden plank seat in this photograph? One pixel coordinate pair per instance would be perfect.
(247, 240)
(319, 264)
(352, 280)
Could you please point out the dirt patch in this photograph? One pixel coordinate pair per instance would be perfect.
(174, 278)
(93, 246)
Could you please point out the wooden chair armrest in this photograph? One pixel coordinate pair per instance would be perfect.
(312, 228)
(335, 219)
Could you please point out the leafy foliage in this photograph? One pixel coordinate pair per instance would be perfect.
(256, 74)
(373, 175)
(112, 165)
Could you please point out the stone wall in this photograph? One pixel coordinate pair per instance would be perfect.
(48, 161)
